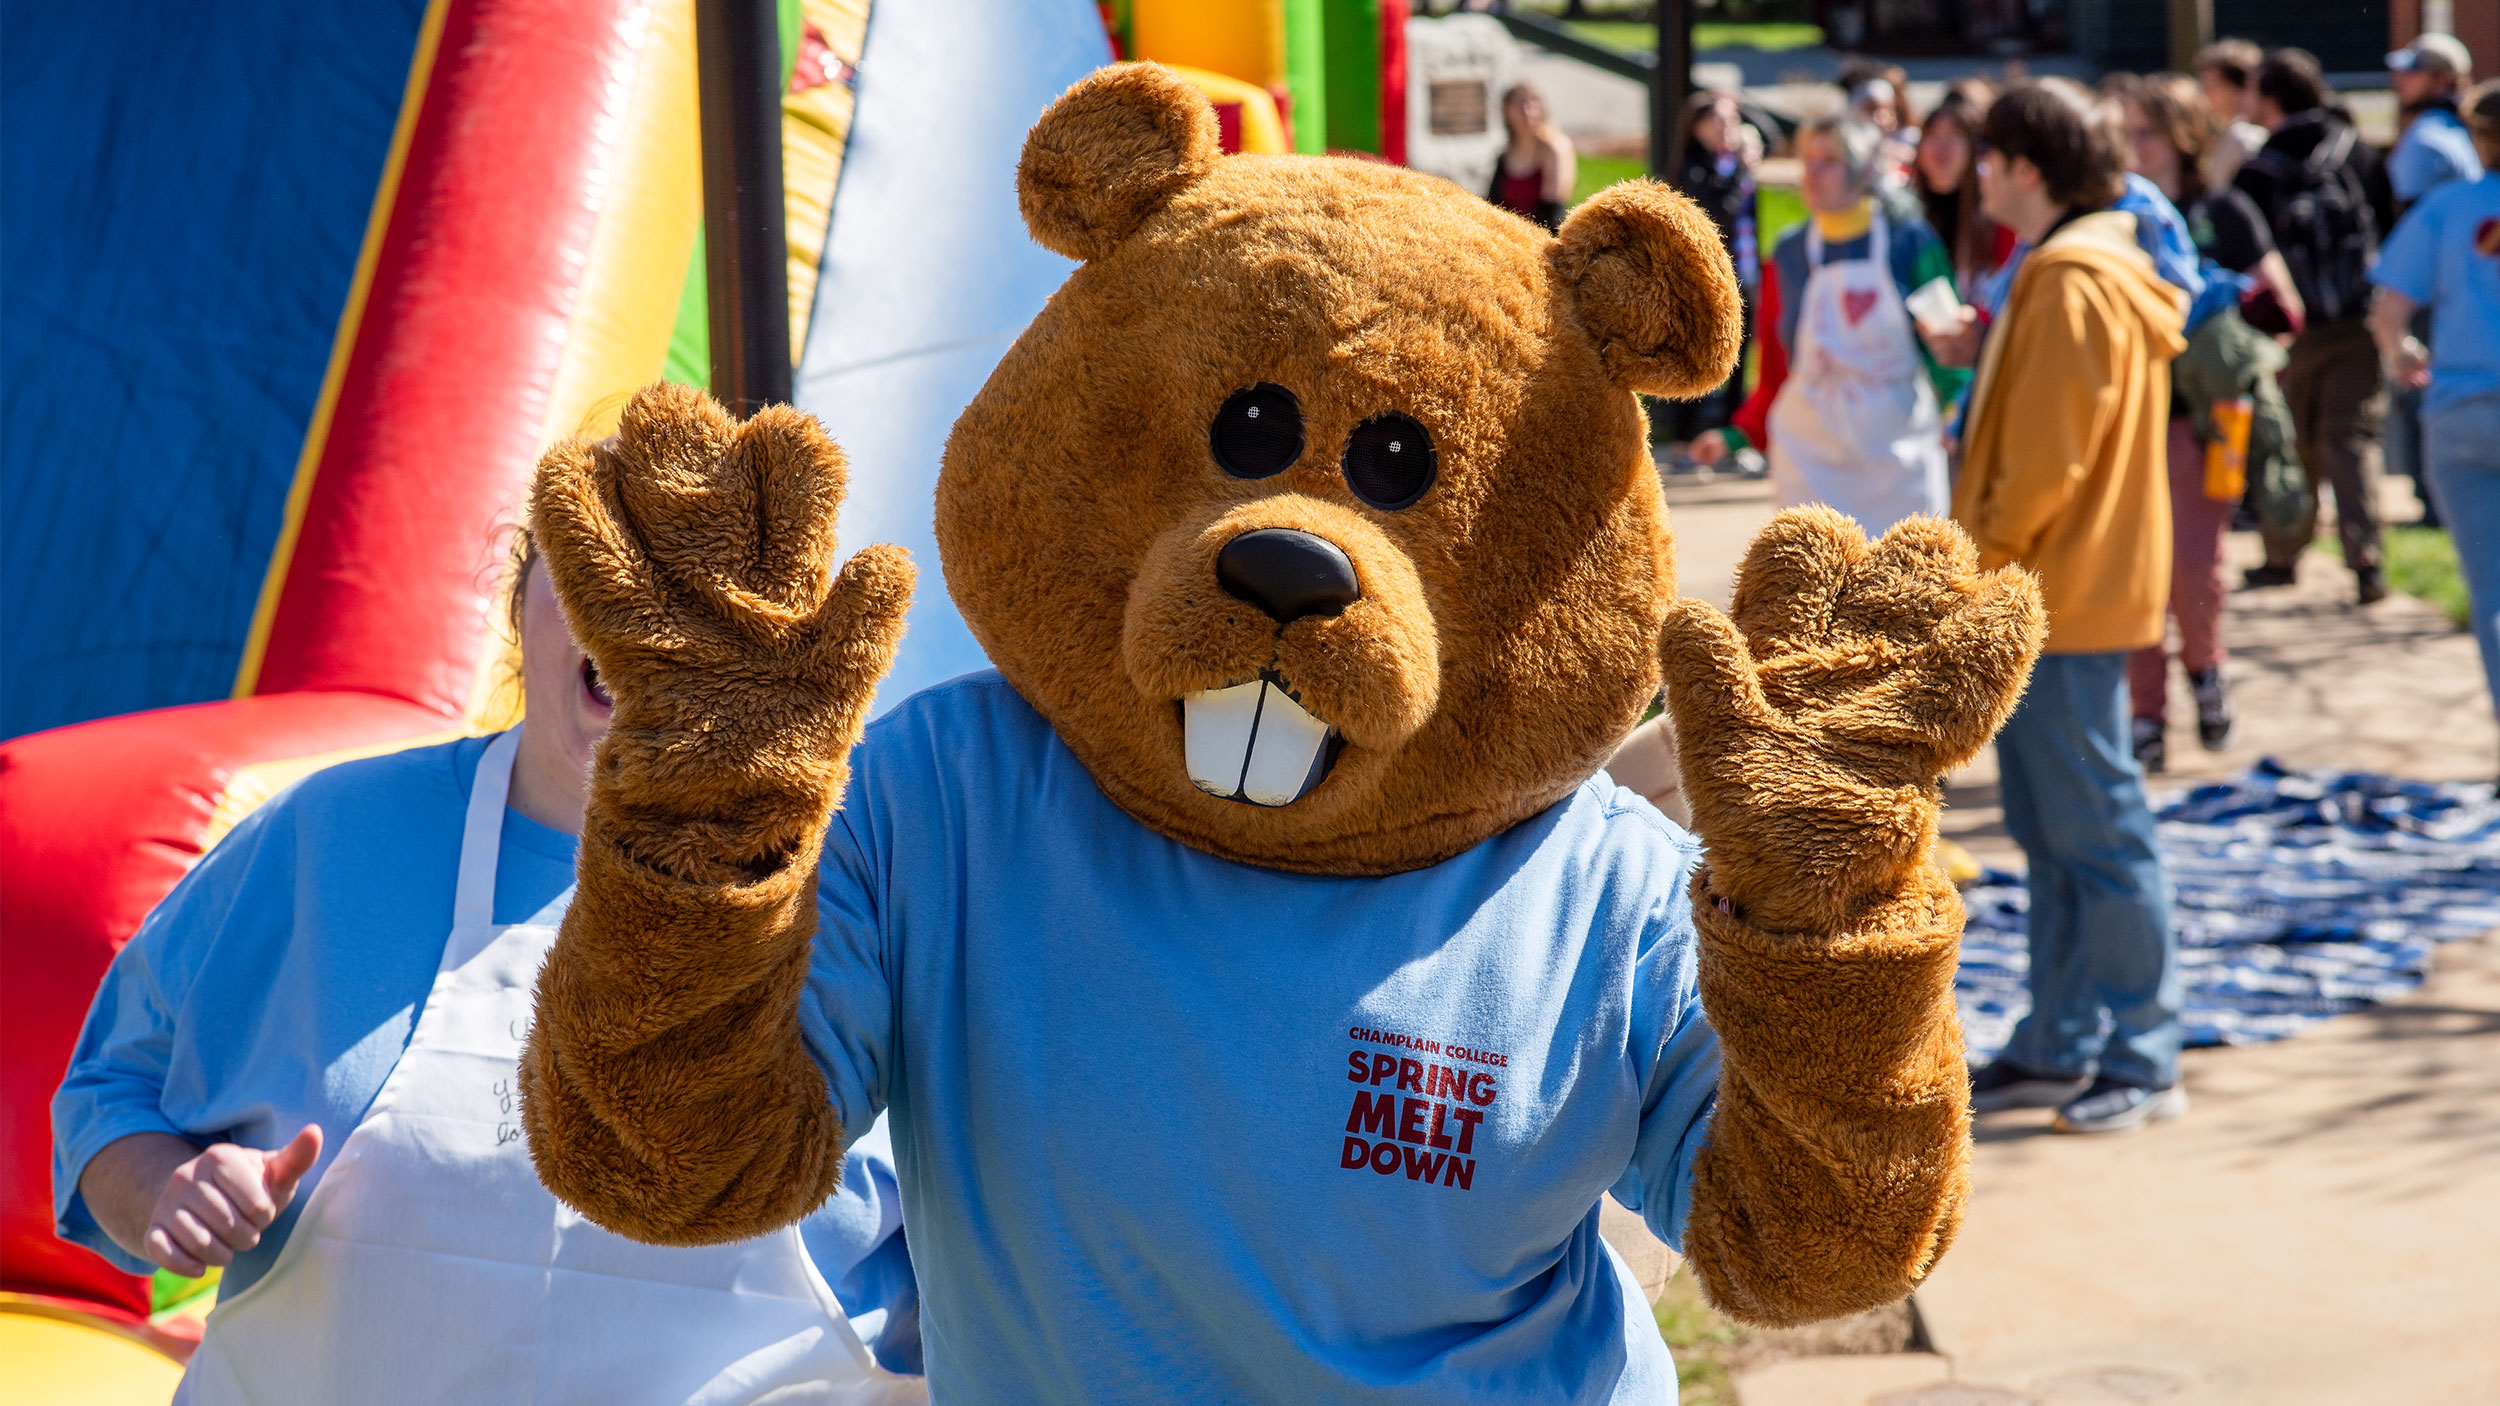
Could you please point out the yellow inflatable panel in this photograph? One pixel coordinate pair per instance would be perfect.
(815, 127)
(1246, 112)
(1242, 39)
(51, 1359)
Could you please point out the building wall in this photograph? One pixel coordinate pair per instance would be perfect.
(2348, 36)
(2477, 22)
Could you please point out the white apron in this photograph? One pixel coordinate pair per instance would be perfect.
(429, 1265)
(1855, 425)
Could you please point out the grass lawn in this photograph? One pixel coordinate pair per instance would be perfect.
(1704, 1344)
(1710, 1349)
(1598, 172)
(2421, 561)
(1641, 38)
(1776, 209)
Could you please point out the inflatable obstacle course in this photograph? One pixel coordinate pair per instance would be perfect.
(1310, 75)
(300, 291)
(281, 352)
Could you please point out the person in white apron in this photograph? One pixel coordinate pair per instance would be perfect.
(430, 1265)
(427, 1263)
(1845, 406)
(1857, 425)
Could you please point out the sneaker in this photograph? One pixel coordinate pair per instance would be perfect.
(2005, 1084)
(2115, 1106)
(2213, 708)
(2258, 578)
(2369, 584)
(2152, 750)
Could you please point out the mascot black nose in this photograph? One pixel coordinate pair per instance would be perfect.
(1288, 574)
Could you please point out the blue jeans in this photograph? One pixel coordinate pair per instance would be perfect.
(2101, 945)
(2461, 451)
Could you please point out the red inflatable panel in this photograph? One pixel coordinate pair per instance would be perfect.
(1393, 14)
(440, 410)
(97, 822)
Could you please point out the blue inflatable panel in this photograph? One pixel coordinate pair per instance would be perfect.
(182, 195)
(928, 274)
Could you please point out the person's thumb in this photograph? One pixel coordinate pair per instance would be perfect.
(286, 1166)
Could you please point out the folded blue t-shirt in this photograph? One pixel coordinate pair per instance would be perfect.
(1171, 1128)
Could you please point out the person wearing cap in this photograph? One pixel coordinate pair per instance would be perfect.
(2435, 149)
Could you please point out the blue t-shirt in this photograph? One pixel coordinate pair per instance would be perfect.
(279, 981)
(2445, 255)
(1172, 1128)
(2434, 150)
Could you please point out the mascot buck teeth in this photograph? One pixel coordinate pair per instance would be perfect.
(1264, 981)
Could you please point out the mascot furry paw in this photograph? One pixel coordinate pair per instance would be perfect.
(1262, 981)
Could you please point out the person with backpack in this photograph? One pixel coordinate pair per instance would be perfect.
(2324, 191)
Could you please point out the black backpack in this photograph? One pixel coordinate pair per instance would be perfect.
(2323, 224)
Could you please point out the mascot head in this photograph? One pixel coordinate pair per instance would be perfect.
(1316, 511)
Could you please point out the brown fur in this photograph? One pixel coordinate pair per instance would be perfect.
(695, 559)
(1506, 636)
(1510, 630)
(1813, 728)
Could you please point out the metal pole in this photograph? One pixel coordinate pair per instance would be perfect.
(1670, 83)
(746, 258)
(2191, 29)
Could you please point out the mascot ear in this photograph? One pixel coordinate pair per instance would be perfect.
(1108, 154)
(1654, 289)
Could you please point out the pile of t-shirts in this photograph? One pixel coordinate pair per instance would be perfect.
(2297, 895)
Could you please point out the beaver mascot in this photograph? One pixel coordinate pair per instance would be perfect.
(1264, 983)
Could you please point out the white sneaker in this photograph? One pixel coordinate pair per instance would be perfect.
(2114, 1106)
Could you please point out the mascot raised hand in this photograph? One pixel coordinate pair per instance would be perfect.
(1263, 980)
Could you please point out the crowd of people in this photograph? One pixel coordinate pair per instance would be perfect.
(2091, 327)
(2213, 301)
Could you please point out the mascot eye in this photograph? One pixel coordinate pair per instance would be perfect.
(1258, 432)
(1389, 461)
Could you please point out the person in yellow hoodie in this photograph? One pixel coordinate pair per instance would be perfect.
(2063, 472)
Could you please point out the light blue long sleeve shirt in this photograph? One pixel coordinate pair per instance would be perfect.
(278, 983)
(1175, 1129)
